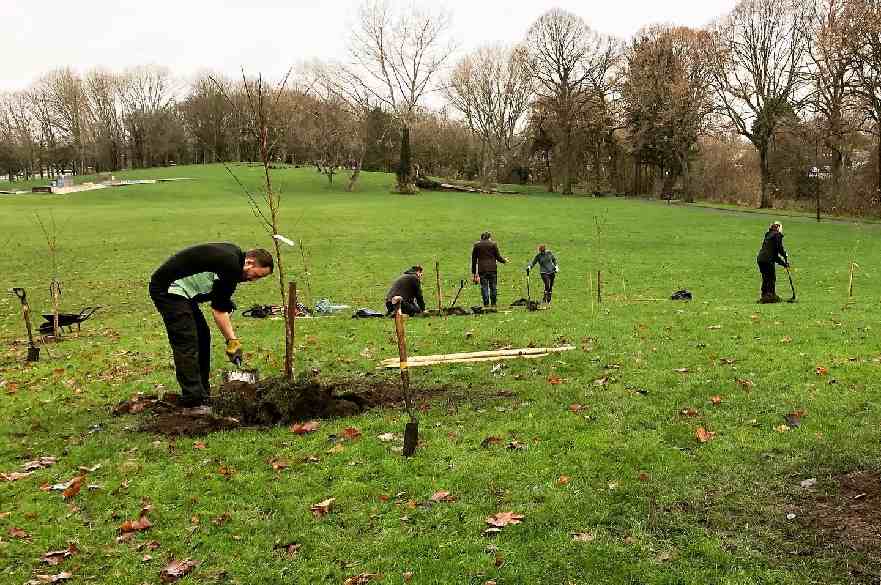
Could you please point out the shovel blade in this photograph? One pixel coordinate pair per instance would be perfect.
(411, 438)
(244, 376)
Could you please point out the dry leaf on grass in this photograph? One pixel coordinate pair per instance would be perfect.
(306, 427)
(226, 471)
(690, 412)
(515, 445)
(350, 433)
(716, 399)
(582, 536)
(575, 407)
(18, 533)
(177, 569)
(338, 448)
(703, 435)
(14, 476)
(563, 480)
(74, 488)
(502, 519)
(601, 381)
(321, 509)
(289, 548)
(490, 441)
(62, 576)
(360, 579)
(387, 437)
(139, 525)
(782, 428)
(821, 370)
(442, 496)
(681, 370)
(199, 445)
(278, 464)
(554, 379)
(745, 384)
(54, 557)
(41, 463)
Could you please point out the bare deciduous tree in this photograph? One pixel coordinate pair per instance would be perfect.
(863, 25)
(759, 54)
(396, 56)
(493, 89)
(569, 61)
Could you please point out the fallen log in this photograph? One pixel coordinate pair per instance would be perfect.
(416, 361)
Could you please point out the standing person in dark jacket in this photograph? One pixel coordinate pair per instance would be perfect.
(484, 256)
(406, 290)
(547, 265)
(206, 272)
(772, 252)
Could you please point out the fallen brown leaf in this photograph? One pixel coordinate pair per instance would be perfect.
(222, 519)
(563, 480)
(575, 407)
(643, 476)
(54, 557)
(746, 384)
(226, 471)
(601, 381)
(338, 448)
(63, 576)
(139, 525)
(350, 433)
(515, 445)
(502, 519)
(14, 476)
(442, 496)
(554, 379)
(716, 399)
(490, 441)
(199, 445)
(822, 371)
(582, 536)
(703, 435)
(360, 579)
(278, 464)
(307, 427)
(690, 412)
(18, 533)
(289, 548)
(407, 575)
(321, 509)
(41, 463)
(74, 488)
(177, 569)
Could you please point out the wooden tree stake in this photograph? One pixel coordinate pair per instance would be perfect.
(291, 319)
(599, 286)
(440, 296)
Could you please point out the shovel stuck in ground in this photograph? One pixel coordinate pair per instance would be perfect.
(33, 350)
(411, 430)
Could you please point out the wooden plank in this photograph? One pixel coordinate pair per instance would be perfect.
(482, 354)
(496, 358)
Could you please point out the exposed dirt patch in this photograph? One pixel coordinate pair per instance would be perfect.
(850, 516)
(270, 402)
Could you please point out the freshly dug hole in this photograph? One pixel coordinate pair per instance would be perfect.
(278, 401)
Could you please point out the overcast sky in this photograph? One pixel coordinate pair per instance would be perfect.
(190, 36)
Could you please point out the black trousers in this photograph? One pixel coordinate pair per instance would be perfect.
(769, 278)
(548, 280)
(407, 308)
(190, 341)
(488, 287)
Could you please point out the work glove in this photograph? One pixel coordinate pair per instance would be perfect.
(475, 279)
(234, 351)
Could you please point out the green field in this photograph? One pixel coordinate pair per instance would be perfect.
(660, 507)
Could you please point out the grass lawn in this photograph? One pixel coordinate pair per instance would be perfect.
(656, 505)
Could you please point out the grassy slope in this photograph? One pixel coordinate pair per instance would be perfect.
(715, 510)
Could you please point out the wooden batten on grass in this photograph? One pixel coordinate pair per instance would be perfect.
(475, 356)
(599, 286)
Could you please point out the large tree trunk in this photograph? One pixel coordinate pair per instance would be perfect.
(405, 182)
(551, 186)
(765, 202)
(567, 161)
(686, 179)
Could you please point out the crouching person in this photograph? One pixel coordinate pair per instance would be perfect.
(406, 290)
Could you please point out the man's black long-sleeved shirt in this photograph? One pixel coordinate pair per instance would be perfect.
(772, 249)
(205, 272)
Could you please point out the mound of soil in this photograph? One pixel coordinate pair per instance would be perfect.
(446, 311)
(277, 401)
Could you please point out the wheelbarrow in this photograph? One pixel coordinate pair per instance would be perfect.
(66, 320)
